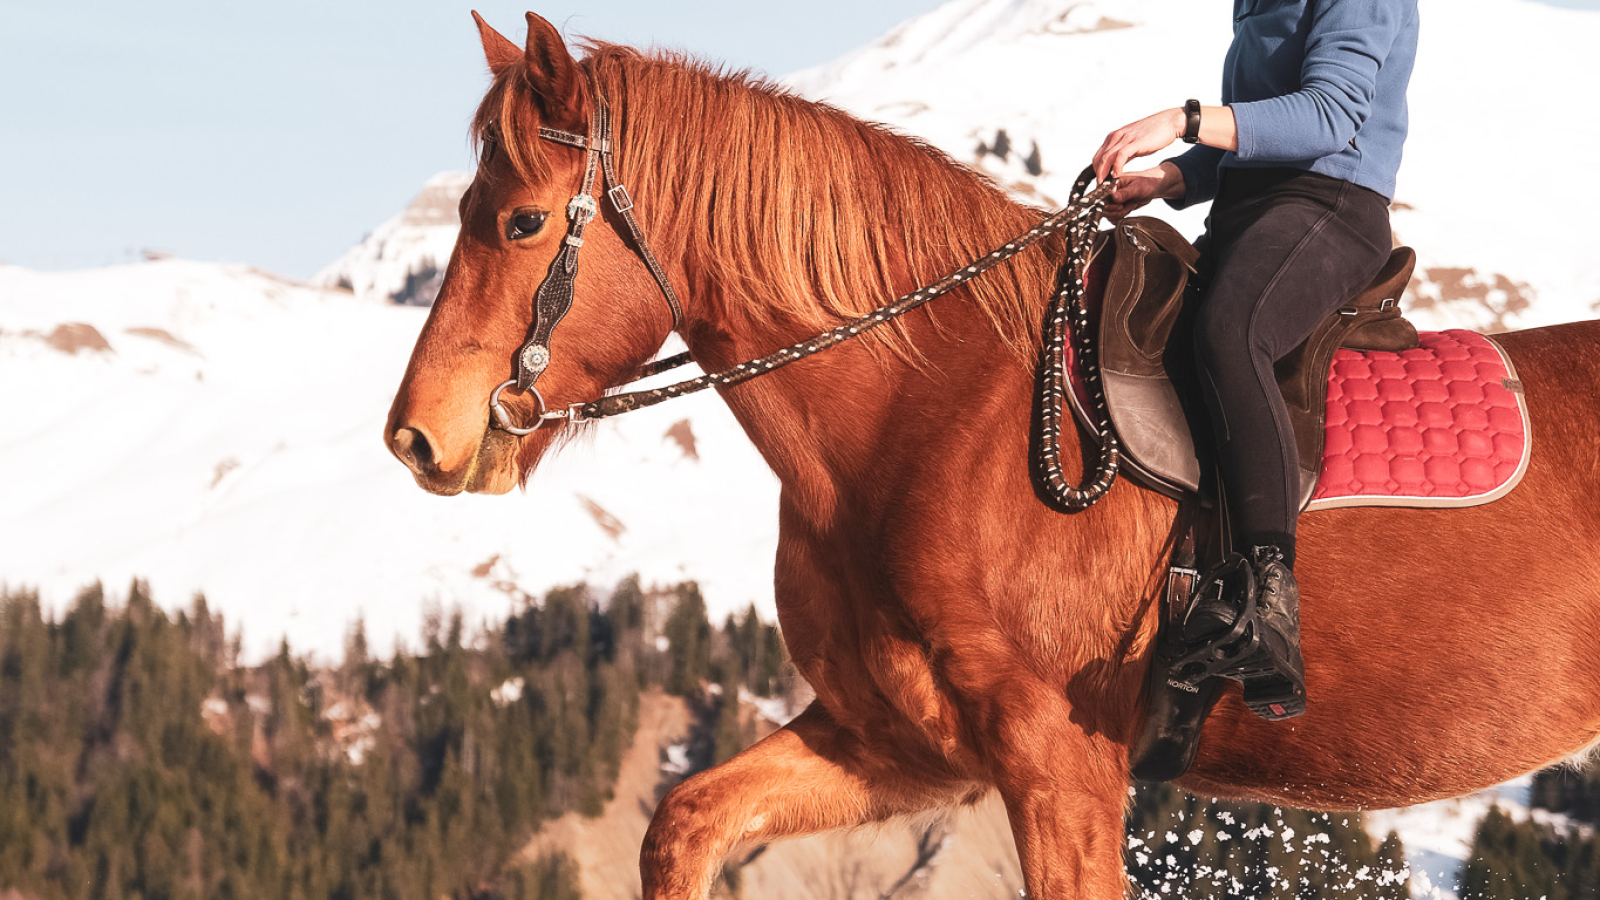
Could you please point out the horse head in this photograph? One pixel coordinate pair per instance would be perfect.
(515, 219)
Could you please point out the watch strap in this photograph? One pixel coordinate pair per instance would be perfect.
(1191, 122)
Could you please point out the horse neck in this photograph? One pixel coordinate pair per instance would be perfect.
(844, 429)
(839, 428)
(776, 239)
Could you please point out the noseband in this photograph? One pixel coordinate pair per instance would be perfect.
(554, 296)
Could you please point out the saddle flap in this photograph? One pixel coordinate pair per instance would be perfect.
(1140, 309)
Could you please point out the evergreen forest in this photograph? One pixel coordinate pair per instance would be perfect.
(1513, 859)
(140, 759)
(1185, 846)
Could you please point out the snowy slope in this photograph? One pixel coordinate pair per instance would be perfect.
(1438, 836)
(1488, 188)
(226, 436)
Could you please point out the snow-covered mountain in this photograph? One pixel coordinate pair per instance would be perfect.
(219, 429)
(403, 260)
(1026, 89)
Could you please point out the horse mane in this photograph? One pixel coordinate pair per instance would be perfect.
(814, 215)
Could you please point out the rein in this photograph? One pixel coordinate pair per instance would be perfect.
(554, 298)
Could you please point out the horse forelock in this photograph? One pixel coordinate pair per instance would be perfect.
(511, 110)
(806, 213)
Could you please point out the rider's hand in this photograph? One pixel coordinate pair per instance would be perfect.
(1151, 134)
(1135, 189)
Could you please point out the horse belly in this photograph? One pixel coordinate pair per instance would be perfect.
(1446, 650)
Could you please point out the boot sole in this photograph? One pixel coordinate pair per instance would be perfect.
(1273, 697)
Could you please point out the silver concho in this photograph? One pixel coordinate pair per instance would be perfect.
(535, 358)
(582, 205)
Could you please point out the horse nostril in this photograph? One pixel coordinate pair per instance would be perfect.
(412, 448)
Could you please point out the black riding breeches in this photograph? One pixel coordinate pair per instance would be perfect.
(1283, 250)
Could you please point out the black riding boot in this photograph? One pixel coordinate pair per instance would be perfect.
(1245, 625)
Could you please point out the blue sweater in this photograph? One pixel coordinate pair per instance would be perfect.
(1317, 85)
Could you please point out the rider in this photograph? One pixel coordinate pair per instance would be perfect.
(1301, 162)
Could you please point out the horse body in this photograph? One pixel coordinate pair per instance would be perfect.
(962, 636)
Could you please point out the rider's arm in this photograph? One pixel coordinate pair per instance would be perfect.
(1218, 134)
(1347, 44)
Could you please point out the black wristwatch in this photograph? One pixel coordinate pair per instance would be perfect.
(1191, 122)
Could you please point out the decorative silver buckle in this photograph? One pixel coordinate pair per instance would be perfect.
(535, 358)
(582, 205)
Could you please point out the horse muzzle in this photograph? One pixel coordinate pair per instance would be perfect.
(491, 470)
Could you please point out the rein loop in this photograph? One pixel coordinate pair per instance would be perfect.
(1054, 380)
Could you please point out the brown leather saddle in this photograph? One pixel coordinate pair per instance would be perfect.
(1144, 316)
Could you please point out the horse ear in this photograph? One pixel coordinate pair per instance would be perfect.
(553, 74)
(499, 50)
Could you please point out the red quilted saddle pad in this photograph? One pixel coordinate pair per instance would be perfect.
(1442, 425)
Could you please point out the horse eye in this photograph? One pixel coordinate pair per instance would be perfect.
(525, 223)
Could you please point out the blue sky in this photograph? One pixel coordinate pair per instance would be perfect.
(279, 133)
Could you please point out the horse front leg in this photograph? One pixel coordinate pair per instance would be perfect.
(809, 776)
(1065, 791)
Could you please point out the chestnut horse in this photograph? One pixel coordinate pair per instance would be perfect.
(962, 636)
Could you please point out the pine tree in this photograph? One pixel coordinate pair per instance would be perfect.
(1002, 144)
(1034, 164)
(1583, 866)
(728, 738)
(138, 759)
(689, 634)
(1394, 872)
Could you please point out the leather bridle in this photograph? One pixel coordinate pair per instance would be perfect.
(554, 296)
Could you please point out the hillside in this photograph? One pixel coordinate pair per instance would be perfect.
(968, 853)
(218, 428)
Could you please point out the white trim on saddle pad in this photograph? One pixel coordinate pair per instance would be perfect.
(1347, 501)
